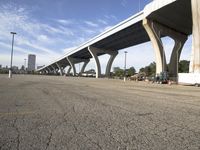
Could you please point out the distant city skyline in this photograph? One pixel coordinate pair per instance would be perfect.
(51, 28)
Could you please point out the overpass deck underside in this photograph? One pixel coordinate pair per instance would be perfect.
(177, 15)
(133, 35)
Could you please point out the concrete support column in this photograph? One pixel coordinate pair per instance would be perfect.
(155, 37)
(49, 70)
(84, 65)
(73, 61)
(43, 71)
(113, 54)
(46, 71)
(195, 58)
(68, 71)
(61, 70)
(72, 64)
(54, 70)
(94, 51)
(175, 57)
(154, 31)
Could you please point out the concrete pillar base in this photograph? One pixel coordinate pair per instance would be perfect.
(10, 74)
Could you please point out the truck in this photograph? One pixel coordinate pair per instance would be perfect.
(189, 79)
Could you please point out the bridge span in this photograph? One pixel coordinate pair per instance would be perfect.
(174, 18)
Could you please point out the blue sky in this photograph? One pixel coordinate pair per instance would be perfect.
(51, 28)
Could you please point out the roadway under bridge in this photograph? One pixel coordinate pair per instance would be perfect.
(176, 19)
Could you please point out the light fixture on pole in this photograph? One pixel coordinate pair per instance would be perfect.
(10, 70)
(125, 52)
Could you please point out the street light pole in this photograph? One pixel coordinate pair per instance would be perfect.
(125, 52)
(10, 70)
(177, 64)
(79, 69)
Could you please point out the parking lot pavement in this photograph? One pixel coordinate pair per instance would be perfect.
(58, 113)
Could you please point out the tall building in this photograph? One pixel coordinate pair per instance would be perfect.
(31, 62)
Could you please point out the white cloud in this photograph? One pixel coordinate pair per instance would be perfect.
(52, 52)
(102, 21)
(7, 47)
(21, 42)
(21, 10)
(67, 50)
(18, 59)
(87, 31)
(107, 28)
(109, 17)
(30, 36)
(65, 22)
(90, 23)
(22, 22)
(66, 31)
(124, 3)
(35, 36)
(42, 38)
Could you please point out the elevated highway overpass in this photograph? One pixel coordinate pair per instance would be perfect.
(173, 18)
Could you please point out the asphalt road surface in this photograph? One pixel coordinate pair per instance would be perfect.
(66, 113)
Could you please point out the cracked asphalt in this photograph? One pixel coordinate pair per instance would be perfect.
(66, 113)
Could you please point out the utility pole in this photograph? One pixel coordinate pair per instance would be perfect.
(125, 52)
(10, 70)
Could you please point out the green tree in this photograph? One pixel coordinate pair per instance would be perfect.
(118, 71)
(142, 69)
(150, 70)
(131, 71)
(183, 66)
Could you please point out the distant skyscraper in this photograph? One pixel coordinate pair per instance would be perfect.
(31, 62)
